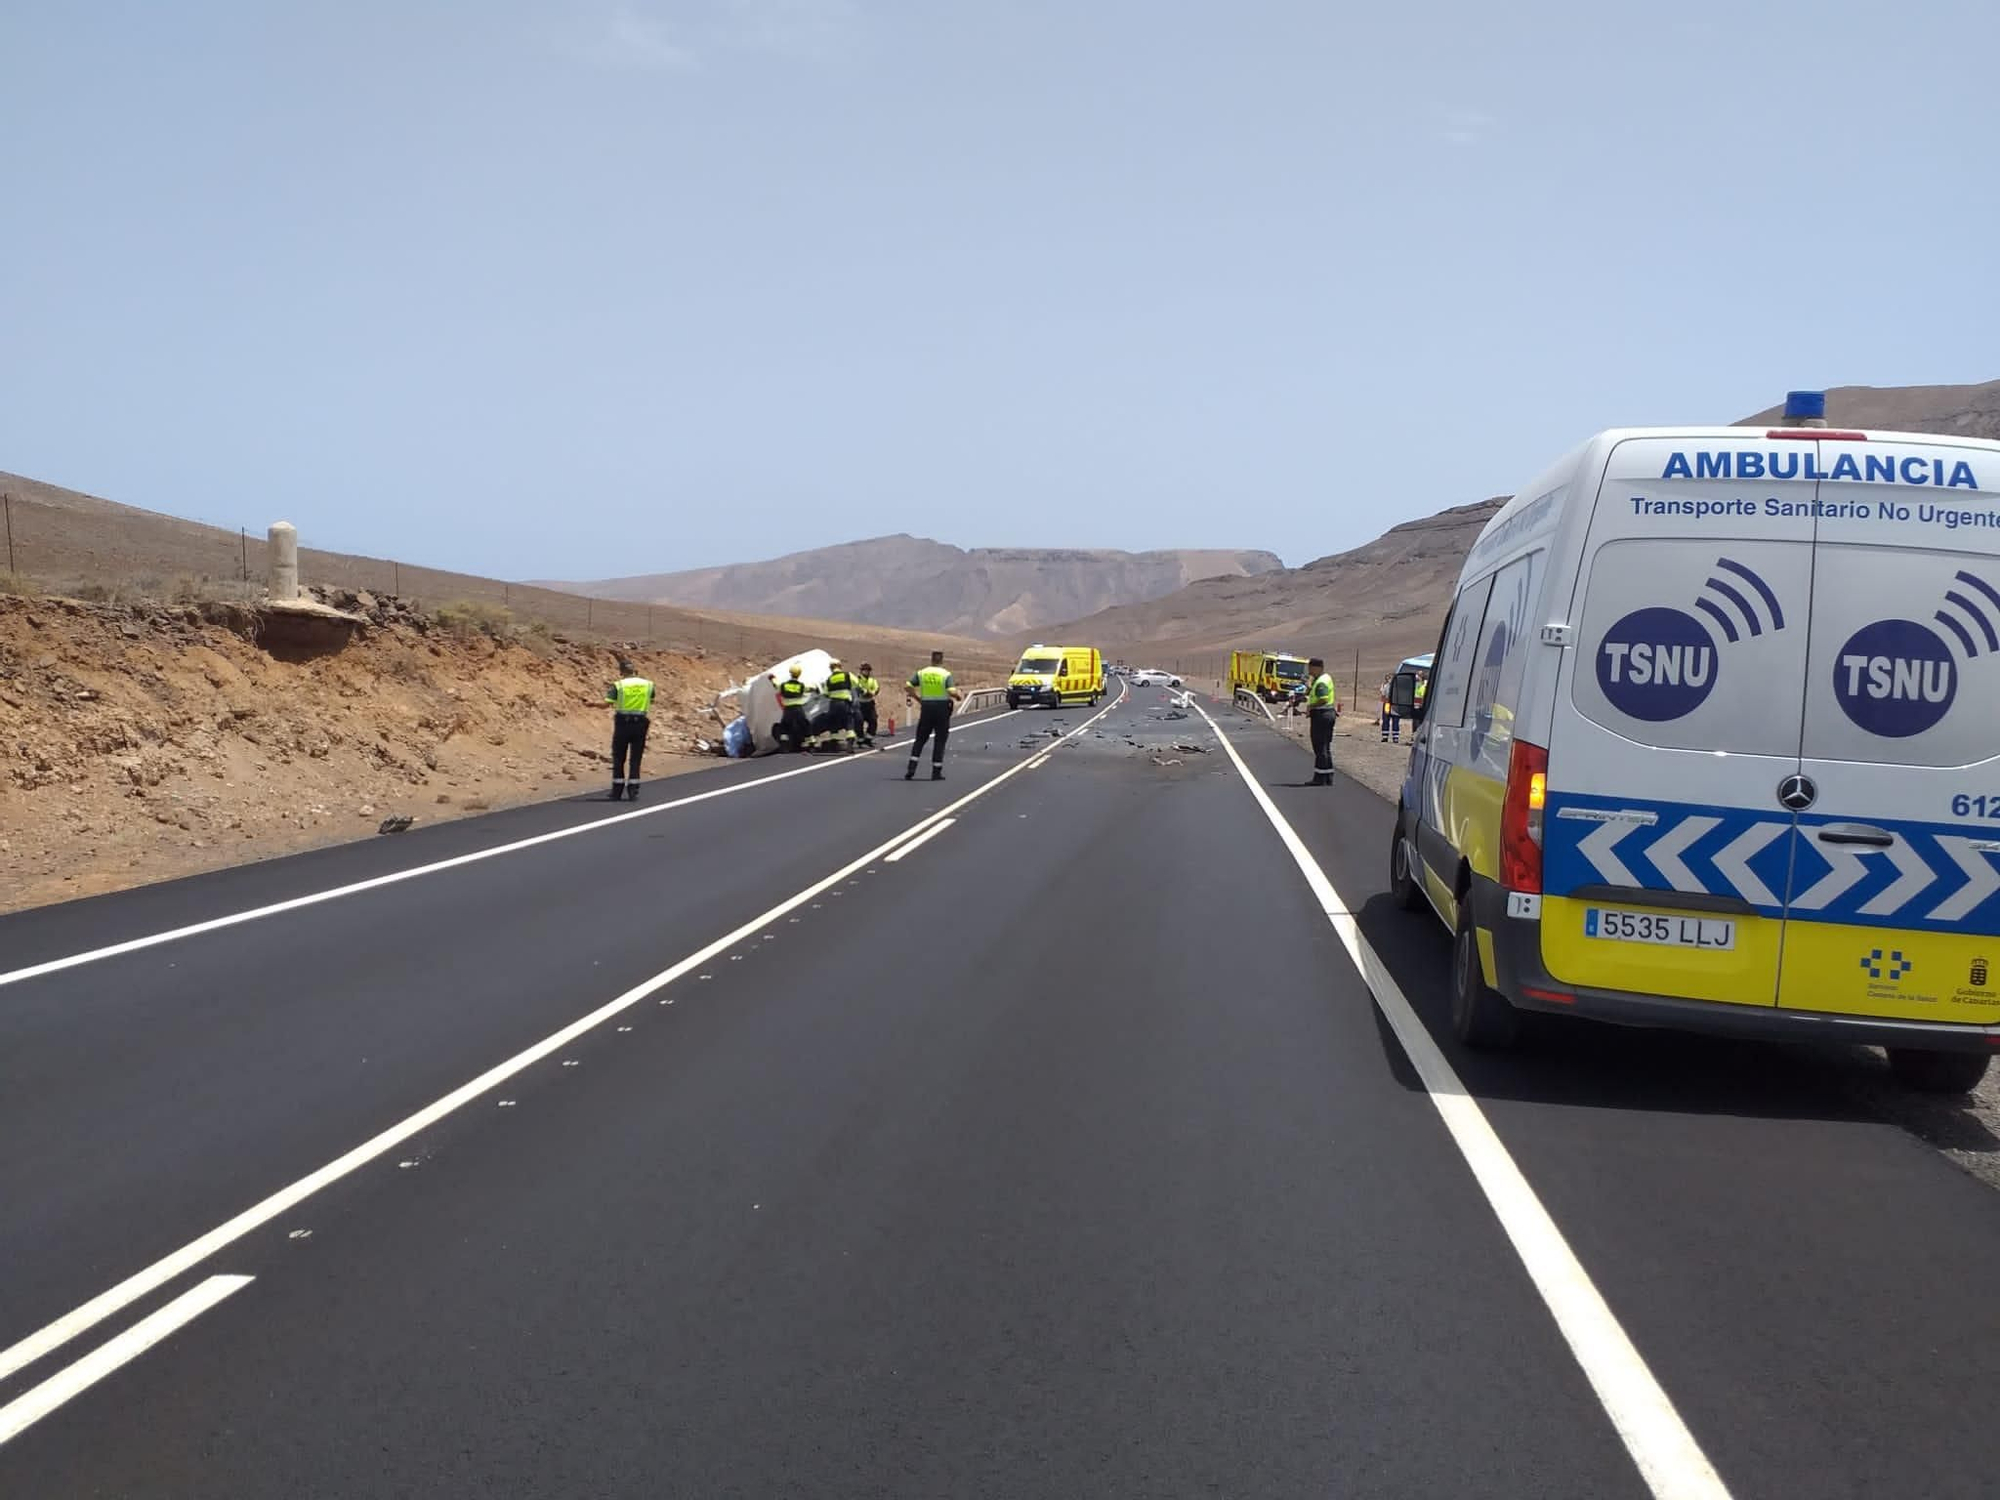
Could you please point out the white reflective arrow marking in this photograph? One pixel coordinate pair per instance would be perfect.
(1913, 875)
(1847, 870)
(1734, 862)
(1666, 852)
(1597, 847)
(1982, 880)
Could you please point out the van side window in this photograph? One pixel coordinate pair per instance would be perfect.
(1452, 679)
(1500, 663)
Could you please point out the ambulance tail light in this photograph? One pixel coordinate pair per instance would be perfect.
(1521, 818)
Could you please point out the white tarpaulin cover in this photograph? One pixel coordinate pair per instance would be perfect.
(758, 698)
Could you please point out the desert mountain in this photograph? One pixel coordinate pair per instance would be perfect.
(1959, 410)
(1387, 599)
(918, 584)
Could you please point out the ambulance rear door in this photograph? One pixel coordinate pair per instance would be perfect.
(1895, 902)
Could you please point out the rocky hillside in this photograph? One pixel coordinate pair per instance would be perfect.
(915, 583)
(1383, 599)
(145, 740)
(1961, 410)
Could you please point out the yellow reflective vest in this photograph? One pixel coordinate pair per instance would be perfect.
(931, 683)
(631, 695)
(839, 685)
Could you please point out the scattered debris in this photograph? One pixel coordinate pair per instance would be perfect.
(398, 823)
(1158, 762)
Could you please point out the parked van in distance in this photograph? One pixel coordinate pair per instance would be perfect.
(1711, 743)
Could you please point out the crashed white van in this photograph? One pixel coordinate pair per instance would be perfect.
(1713, 741)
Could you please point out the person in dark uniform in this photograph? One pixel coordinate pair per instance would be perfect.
(630, 700)
(1322, 709)
(792, 695)
(865, 689)
(931, 688)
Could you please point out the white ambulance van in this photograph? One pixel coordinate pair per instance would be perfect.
(1713, 742)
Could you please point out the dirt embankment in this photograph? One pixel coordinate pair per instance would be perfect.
(144, 741)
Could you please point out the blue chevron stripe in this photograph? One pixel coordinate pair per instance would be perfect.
(1792, 861)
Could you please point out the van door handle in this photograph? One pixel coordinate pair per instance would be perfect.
(1856, 833)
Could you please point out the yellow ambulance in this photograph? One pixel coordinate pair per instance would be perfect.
(1051, 676)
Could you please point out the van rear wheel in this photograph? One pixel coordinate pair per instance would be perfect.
(1937, 1072)
(1480, 1015)
(1403, 888)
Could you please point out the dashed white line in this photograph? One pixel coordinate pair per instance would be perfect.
(73, 1379)
(143, 1282)
(909, 846)
(1668, 1458)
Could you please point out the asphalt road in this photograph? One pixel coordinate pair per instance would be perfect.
(713, 1151)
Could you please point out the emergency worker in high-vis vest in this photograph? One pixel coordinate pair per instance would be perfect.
(792, 695)
(630, 699)
(839, 690)
(865, 689)
(931, 688)
(1322, 709)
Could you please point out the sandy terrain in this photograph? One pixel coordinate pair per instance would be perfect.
(140, 742)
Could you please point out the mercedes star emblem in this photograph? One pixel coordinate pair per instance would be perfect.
(1797, 793)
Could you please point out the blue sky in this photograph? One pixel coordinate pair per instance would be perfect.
(572, 289)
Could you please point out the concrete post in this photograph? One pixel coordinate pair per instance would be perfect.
(284, 562)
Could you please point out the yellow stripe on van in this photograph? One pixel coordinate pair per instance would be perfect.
(1472, 804)
(1739, 976)
(1891, 972)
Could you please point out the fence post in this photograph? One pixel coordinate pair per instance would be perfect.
(8, 502)
(396, 577)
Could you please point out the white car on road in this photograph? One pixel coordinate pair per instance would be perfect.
(1154, 677)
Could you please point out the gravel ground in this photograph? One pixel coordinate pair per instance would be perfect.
(1966, 1130)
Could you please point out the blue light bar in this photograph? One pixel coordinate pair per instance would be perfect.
(1805, 406)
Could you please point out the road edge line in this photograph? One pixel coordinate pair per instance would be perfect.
(1668, 1458)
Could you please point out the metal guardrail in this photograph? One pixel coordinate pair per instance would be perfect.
(1245, 697)
(979, 699)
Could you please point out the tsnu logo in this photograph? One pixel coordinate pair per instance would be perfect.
(1660, 663)
(1896, 678)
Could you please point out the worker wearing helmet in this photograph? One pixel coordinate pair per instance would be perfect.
(792, 694)
(839, 690)
(865, 688)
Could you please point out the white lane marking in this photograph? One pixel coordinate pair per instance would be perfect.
(74, 1379)
(215, 924)
(1038, 762)
(910, 846)
(1668, 1457)
(140, 1283)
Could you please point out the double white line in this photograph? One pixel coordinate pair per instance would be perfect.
(79, 1376)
